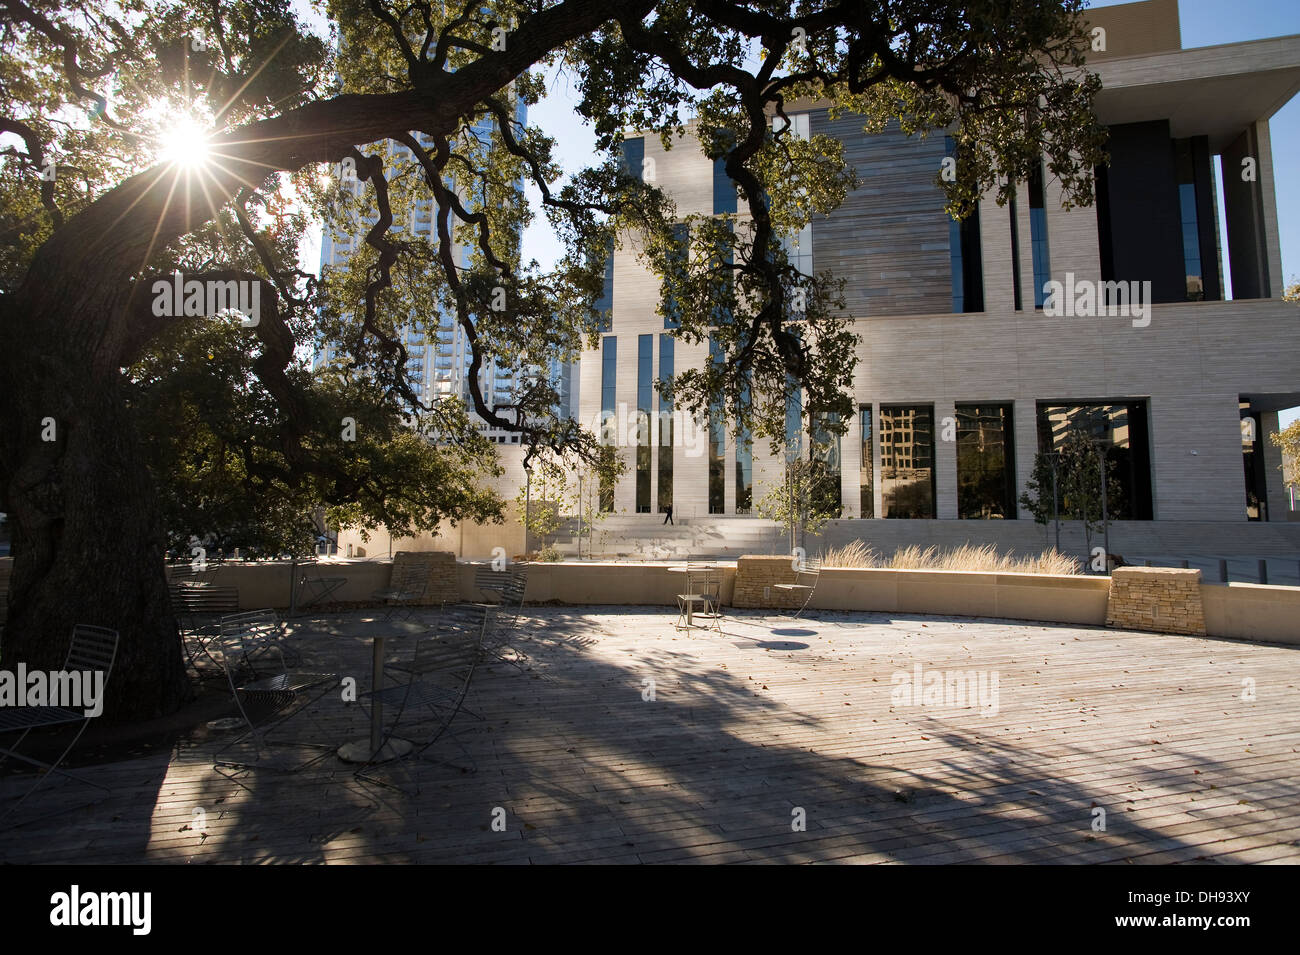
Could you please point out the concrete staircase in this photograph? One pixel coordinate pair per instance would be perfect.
(644, 536)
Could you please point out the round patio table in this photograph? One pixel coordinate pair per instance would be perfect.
(374, 749)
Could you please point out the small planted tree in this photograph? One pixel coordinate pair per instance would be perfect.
(1066, 484)
(809, 494)
(1288, 439)
(560, 486)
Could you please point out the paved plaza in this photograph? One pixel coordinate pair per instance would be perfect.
(615, 738)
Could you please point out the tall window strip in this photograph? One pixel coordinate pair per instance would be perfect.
(907, 480)
(717, 445)
(799, 247)
(608, 411)
(825, 447)
(634, 156)
(666, 370)
(1191, 230)
(744, 467)
(965, 257)
(604, 306)
(681, 236)
(1038, 236)
(866, 481)
(724, 189)
(986, 465)
(1015, 257)
(644, 394)
(723, 257)
(955, 267)
(793, 420)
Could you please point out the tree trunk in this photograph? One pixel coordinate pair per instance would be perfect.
(86, 533)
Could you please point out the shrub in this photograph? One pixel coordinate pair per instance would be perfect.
(966, 557)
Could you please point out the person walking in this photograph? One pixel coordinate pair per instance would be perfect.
(668, 514)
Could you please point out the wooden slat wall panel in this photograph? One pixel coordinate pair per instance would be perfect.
(890, 237)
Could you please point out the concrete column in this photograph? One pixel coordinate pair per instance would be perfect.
(1025, 412)
(1278, 499)
(945, 459)
(729, 474)
(995, 250)
(1072, 237)
(1268, 199)
(691, 471)
(1025, 237)
(1244, 205)
(850, 469)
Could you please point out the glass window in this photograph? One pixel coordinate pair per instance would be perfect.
(644, 390)
(604, 305)
(799, 247)
(666, 360)
(907, 480)
(608, 411)
(717, 445)
(1191, 232)
(1038, 236)
(634, 156)
(825, 449)
(677, 260)
(865, 479)
(1015, 257)
(1121, 428)
(724, 190)
(965, 259)
(986, 470)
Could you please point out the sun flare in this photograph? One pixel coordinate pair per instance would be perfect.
(185, 143)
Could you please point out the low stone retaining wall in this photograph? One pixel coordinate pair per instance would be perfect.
(1238, 611)
(1252, 612)
(439, 566)
(1162, 599)
(756, 580)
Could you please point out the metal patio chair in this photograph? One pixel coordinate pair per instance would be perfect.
(248, 636)
(506, 626)
(406, 588)
(491, 583)
(92, 648)
(198, 607)
(807, 573)
(315, 586)
(433, 686)
(703, 590)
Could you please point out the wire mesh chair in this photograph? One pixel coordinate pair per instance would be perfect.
(253, 635)
(490, 582)
(434, 683)
(93, 649)
(407, 586)
(807, 573)
(198, 607)
(499, 641)
(703, 590)
(312, 587)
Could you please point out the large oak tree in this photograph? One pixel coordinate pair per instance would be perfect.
(417, 101)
